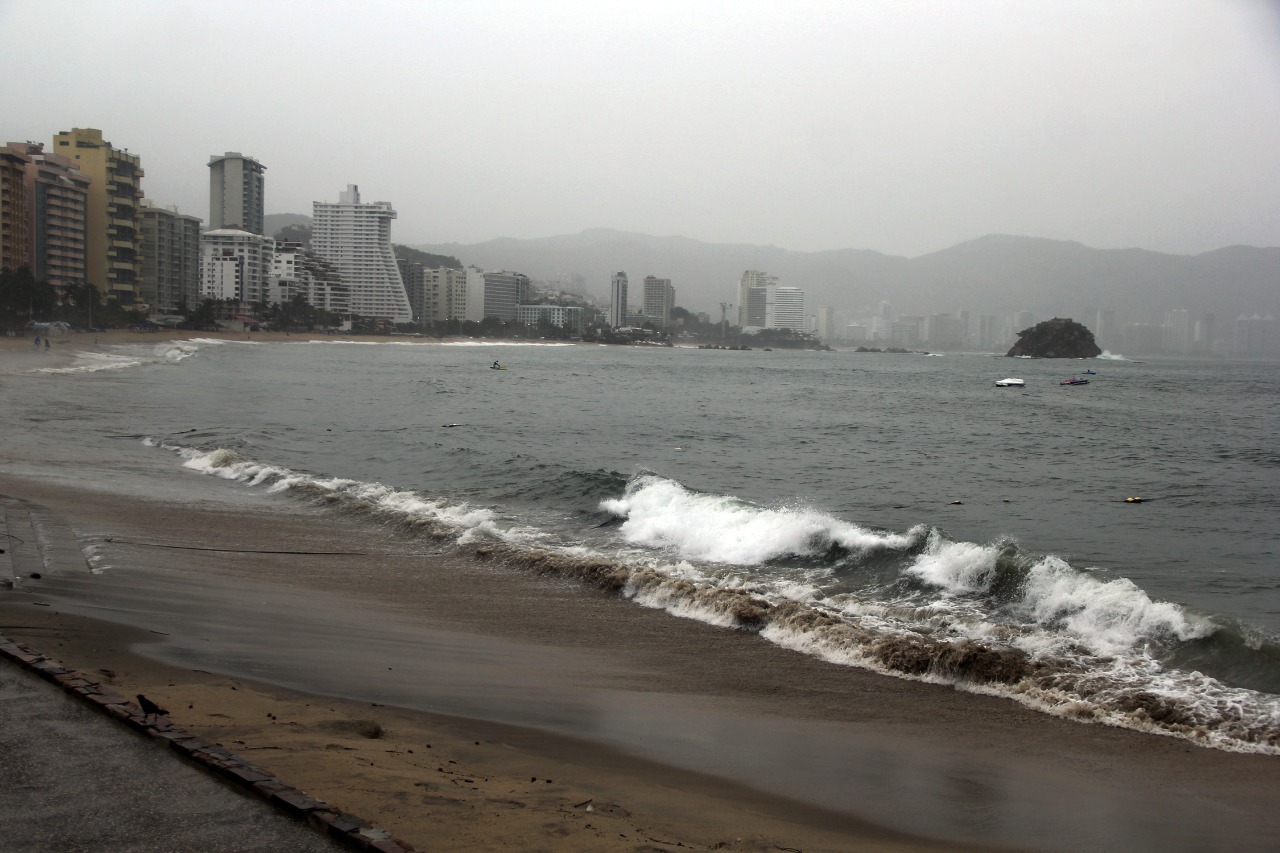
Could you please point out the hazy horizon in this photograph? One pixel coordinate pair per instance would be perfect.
(900, 128)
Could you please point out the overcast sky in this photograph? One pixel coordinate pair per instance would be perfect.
(904, 127)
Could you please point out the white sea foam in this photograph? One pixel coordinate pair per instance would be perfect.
(959, 568)
(377, 343)
(93, 362)
(231, 465)
(1107, 616)
(1099, 627)
(661, 513)
(507, 344)
(123, 357)
(174, 351)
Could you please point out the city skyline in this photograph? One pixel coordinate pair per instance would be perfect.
(364, 248)
(1125, 125)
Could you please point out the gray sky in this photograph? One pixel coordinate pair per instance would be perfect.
(904, 127)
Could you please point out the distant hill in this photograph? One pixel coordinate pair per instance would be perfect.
(427, 259)
(996, 274)
(272, 223)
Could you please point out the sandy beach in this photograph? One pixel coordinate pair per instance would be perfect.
(440, 782)
(469, 705)
(18, 352)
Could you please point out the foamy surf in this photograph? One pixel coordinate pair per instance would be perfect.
(986, 618)
(507, 344)
(126, 356)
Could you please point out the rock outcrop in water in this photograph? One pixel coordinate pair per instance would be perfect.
(1056, 338)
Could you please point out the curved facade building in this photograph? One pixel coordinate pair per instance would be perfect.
(356, 239)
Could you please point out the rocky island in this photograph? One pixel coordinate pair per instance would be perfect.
(1056, 338)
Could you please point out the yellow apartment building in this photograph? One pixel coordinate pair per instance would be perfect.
(113, 232)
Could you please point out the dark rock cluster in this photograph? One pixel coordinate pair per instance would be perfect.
(1056, 338)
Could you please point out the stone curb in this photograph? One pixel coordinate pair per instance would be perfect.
(214, 758)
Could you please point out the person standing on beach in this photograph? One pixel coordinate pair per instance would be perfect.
(37, 342)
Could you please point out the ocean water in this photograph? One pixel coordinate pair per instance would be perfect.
(887, 511)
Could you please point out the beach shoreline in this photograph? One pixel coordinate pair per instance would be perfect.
(250, 606)
(18, 354)
(439, 781)
(550, 695)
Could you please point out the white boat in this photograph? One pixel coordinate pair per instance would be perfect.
(1010, 383)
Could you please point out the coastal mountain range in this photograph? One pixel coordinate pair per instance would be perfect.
(995, 274)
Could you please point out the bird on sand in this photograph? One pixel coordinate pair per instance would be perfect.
(149, 708)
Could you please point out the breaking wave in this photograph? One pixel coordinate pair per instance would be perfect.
(989, 618)
(123, 357)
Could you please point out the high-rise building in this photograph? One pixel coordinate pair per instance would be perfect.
(825, 323)
(356, 238)
(944, 331)
(990, 333)
(659, 299)
(170, 259)
(751, 307)
(15, 247)
(618, 300)
(235, 265)
(503, 294)
(473, 300)
(420, 296)
(1177, 331)
(1255, 335)
(785, 308)
(856, 332)
(446, 292)
(567, 317)
(113, 233)
(236, 192)
(907, 330)
(295, 271)
(1203, 339)
(765, 304)
(57, 198)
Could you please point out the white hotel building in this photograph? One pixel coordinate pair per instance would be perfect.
(618, 300)
(297, 272)
(235, 264)
(356, 239)
(765, 304)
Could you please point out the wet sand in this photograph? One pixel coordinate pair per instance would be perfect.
(199, 633)
(469, 705)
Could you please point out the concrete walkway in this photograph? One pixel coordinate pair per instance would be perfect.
(82, 769)
(75, 780)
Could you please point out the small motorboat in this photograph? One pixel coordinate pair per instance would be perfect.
(1090, 373)
(1010, 383)
(1075, 380)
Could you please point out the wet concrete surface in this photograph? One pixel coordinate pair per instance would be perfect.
(73, 778)
(76, 780)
